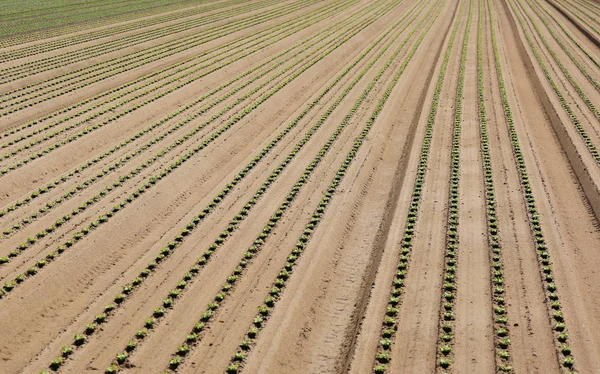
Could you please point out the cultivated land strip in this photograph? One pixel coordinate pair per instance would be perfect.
(238, 272)
(189, 78)
(152, 180)
(447, 320)
(65, 83)
(389, 323)
(32, 50)
(497, 281)
(209, 186)
(71, 57)
(51, 20)
(126, 158)
(552, 298)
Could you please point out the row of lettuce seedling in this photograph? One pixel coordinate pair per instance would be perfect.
(91, 34)
(80, 77)
(38, 66)
(202, 261)
(236, 275)
(591, 147)
(49, 46)
(503, 358)
(447, 318)
(577, 12)
(552, 298)
(74, 80)
(283, 277)
(10, 285)
(271, 81)
(390, 320)
(48, 21)
(246, 43)
(212, 65)
(138, 135)
(86, 53)
(563, 47)
(192, 339)
(589, 55)
(563, 68)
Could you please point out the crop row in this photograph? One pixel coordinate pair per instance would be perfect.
(9, 286)
(563, 68)
(115, 24)
(50, 20)
(587, 9)
(189, 228)
(208, 315)
(86, 53)
(590, 56)
(278, 286)
(125, 159)
(247, 43)
(545, 264)
(591, 147)
(582, 15)
(21, 10)
(42, 190)
(72, 80)
(137, 171)
(390, 321)
(580, 66)
(257, 245)
(571, 10)
(172, 70)
(81, 77)
(32, 50)
(447, 322)
(498, 293)
(212, 65)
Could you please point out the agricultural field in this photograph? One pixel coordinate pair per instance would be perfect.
(300, 186)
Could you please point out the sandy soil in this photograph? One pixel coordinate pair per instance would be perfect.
(251, 86)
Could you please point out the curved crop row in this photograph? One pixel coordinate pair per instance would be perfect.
(551, 289)
(189, 228)
(389, 324)
(591, 147)
(114, 117)
(563, 68)
(582, 15)
(9, 286)
(72, 80)
(32, 50)
(579, 65)
(498, 293)
(190, 117)
(278, 286)
(591, 57)
(589, 8)
(447, 320)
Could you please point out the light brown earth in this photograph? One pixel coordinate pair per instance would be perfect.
(337, 64)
